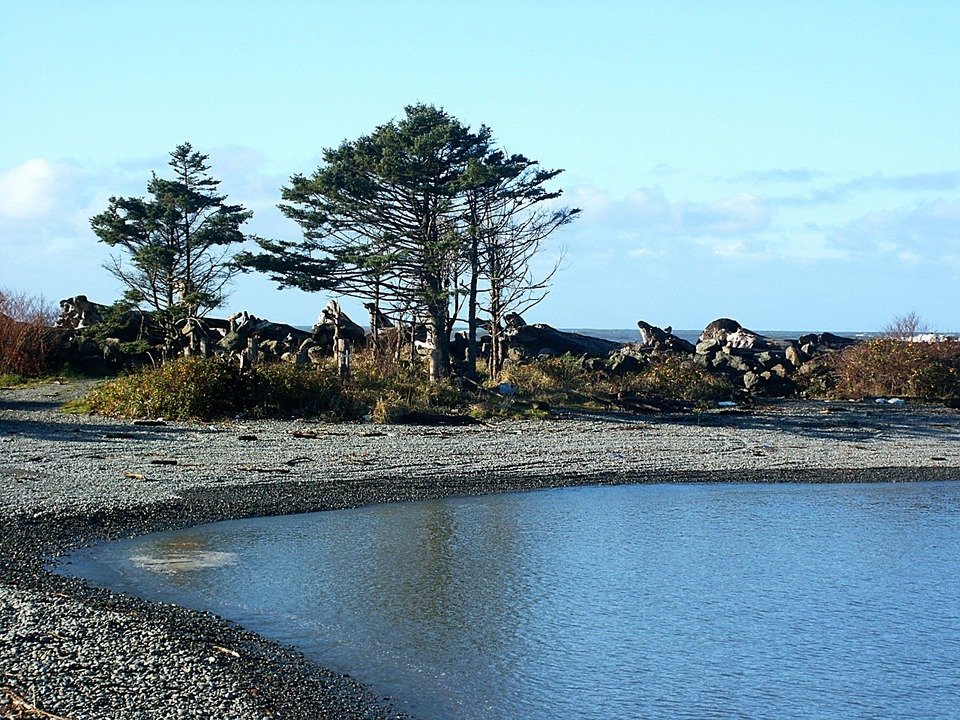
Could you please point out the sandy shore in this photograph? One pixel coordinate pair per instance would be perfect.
(65, 480)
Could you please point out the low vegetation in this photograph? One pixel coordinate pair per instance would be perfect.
(678, 378)
(892, 367)
(207, 389)
(564, 381)
(194, 388)
(27, 338)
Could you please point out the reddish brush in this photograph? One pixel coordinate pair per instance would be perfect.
(27, 336)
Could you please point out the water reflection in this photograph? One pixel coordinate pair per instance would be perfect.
(181, 557)
(657, 601)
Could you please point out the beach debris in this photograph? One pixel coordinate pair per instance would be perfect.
(247, 438)
(226, 651)
(293, 462)
(896, 401)
(524, 341)
(23, 709)
(134, 476)
(163, 461)
(726, 404)
(307, 434)
(257, 469)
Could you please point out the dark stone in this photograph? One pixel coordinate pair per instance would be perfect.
(707, 347)
(529, 341)
(662, 339)
(827, 341)
(730, 333)
(795, 356)
(625, 361)
(513, 320)
(719, 329)
(323, 328)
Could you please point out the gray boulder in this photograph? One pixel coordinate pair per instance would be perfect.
(662, 339)
(730, 333)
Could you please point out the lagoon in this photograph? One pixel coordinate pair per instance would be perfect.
(654, 601)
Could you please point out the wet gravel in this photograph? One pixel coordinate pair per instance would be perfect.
(78, 652)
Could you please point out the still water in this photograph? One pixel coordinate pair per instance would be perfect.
(655, 601)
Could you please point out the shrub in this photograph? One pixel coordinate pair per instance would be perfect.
(27, 337)
(678, 378)
(906, 326)
(564, 373)
(284, 390)
(886, 366)
(207, 389)
(184, 388)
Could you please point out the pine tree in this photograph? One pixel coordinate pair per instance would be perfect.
(177, 257)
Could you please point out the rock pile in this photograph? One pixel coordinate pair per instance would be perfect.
(761, 365)
(758, 364)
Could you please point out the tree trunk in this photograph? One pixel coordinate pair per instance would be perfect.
(496, 342)
(472, 308)
(440, 355)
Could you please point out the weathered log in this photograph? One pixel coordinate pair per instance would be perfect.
(529, 341)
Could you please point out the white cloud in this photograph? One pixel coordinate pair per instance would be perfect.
(648, 224)
(730, 248)
(27, 190)
(925, 230)
(740, 214)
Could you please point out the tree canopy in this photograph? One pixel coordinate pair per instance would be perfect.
(405, 217)
(176, 245)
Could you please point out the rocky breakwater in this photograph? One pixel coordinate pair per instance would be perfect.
(768, 366)
(756, 363)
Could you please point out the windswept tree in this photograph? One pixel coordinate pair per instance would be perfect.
(510, 217)
(176, 246)
(380, 219)
(406, 217)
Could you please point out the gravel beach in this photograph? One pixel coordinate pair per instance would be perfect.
(76, 652)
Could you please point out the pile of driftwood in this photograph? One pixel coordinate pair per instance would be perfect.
(94, 334)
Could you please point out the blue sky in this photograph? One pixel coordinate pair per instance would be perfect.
(792, 165)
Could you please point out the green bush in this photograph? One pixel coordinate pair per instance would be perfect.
(206, 389)
(678, 378)
(185, 388)
(669, 378)
(557, 374)
(887, 366)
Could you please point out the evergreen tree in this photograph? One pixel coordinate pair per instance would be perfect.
(380, 220)
(420, 216)
(176, 245)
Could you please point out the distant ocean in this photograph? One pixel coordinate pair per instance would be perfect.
(633, 334)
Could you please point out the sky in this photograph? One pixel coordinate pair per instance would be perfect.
(792, 165)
